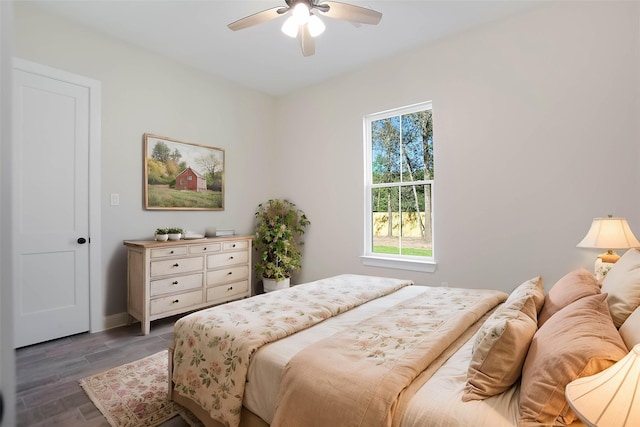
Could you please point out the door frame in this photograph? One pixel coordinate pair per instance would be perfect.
(7, 354)
(96, 316)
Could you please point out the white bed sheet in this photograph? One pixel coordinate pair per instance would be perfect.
(438, 401)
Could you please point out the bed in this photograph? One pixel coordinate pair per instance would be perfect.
(452, 357)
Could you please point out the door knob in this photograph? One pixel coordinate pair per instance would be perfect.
(82, 240)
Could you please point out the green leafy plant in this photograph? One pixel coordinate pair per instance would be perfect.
(161, 231)
(174, 230)
(280, 226)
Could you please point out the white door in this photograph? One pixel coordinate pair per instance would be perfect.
(51, 195)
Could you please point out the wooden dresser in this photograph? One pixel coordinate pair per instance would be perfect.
(168, 278)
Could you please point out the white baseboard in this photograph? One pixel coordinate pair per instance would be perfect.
(115, 321)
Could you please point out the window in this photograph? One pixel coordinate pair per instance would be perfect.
(399, 188)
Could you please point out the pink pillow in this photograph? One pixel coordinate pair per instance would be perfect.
(573, 286)
(578, 341)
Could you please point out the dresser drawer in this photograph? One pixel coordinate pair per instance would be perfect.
(205, 248)
(175, 284)
(165, 252)
(227, 259)
(241, 244)
(169, 278)
(176, 266)
(175, 302)
(225, 292)
(227, 274)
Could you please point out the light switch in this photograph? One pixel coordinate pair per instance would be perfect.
(115, 199)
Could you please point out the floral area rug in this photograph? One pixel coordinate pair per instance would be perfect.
(136, 394)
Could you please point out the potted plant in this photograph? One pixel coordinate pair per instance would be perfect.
(162, 234)
(278, 240)
(175, 233)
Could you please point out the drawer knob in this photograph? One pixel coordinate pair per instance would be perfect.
(175, 283)
(176, 264)
(204, 249)
(176, 301)
(230, 257)
(234, 245)
(230, 288)
(230, 273)
(171, 252)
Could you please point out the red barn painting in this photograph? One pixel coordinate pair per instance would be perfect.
(189, 179)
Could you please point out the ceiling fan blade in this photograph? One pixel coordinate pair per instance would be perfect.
(257, 18)
(306, 41)
(350, 12)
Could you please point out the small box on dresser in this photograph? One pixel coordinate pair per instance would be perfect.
(173, 277)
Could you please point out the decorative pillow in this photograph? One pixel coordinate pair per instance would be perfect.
(497, 362)
(622, 283)
(527, 298)
(630, 329)
(571, 287)
(578, 341)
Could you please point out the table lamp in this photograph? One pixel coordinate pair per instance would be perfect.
(608, 233)
(610, 398)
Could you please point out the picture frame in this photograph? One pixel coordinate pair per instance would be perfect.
(182, 175)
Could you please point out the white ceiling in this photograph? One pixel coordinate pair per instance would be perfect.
(262, 57)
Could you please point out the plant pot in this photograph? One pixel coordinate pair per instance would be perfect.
(175, 236)
(270, 285)
(162, 237)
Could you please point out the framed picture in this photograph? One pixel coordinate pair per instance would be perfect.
(181, 175)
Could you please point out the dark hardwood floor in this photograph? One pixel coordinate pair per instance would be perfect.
(48, 393)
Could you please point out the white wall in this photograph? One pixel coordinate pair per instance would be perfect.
(143, 92)
(535, 125)
(535, 129)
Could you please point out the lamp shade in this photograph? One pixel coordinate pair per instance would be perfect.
(316, 26)
(610, 398)
(290, 27)
(609, 233)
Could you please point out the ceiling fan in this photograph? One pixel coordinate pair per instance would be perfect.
(304, 24)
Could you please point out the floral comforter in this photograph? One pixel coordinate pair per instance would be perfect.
(358, 377)
(213, 347)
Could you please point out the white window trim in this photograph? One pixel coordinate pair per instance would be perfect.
(400, 262)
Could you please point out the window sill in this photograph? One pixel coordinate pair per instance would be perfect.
(399, 264)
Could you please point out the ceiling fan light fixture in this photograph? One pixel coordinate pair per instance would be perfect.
(301, 13)
(305, 25)
(290, 27)
(316, 26)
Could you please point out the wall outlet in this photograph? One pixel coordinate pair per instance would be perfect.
(115, 199)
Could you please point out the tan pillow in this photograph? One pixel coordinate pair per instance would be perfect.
(527, 298)
(622, 283)
(571, 287)
(630, 329)
(578, 341)
(497, 362)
